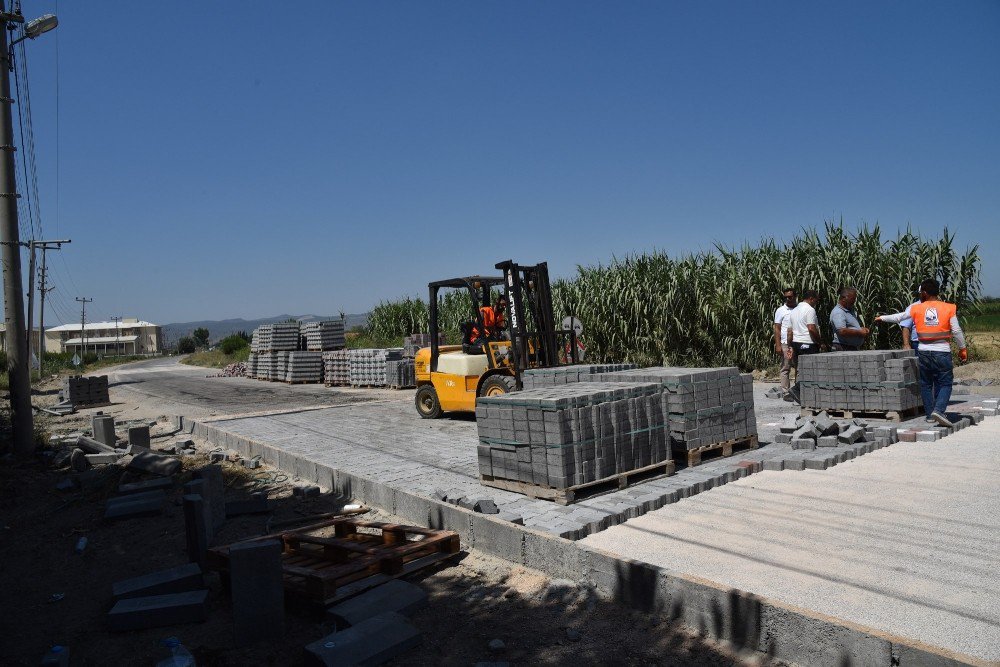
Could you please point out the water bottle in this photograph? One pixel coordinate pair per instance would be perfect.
(179, 656)
(81, 544)
(58, 656)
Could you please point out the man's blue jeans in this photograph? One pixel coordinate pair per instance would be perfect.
(936, 377)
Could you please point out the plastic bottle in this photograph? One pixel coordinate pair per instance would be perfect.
(179, 656)
(81, 544)
(57, 655)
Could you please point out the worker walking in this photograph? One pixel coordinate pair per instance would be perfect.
(848, 334)
(781, 335)
(936, 323)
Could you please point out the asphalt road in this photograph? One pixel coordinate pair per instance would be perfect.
(174, 388)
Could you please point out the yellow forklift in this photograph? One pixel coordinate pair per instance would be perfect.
(451, 377)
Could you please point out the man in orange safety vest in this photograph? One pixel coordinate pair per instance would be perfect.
(936, 323)
(494, 322)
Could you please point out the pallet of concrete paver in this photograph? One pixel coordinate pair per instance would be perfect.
(702, 407)
(280, 336)
(881, 383)
(304, 367)
(415, 342)
(559, 375)
(719, 449)
(337, 368)
(368, 366)
(400, 374)
(80, 390)
(555, 441)
(323, 336)
(332, 560)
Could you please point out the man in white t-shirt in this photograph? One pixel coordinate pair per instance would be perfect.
(803, 326)
(781, 334)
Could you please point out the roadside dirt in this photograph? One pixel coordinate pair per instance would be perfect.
(61, 597)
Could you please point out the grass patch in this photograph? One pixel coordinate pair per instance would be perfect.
(216, 358)
(984, 316)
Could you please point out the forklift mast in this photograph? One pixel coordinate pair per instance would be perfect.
(535, 341)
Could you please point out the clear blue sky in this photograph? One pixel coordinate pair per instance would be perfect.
(245, 159)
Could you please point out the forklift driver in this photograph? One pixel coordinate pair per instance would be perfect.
(494, 323)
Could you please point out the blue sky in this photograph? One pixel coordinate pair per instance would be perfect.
(248, 159)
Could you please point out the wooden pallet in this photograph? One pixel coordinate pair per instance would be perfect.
(716, 450)
(324, 569)
(887, 415)
(576, 492)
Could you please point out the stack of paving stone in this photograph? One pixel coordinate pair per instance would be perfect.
(280, 336)
(551, 377)
(415, 342)
(337, 368)
(253, 361)
(701, 406)
(303, 366)
(400, 373)
(560, 437)
(79, 390)
(323, 336)
(368, 366)
(871, 381)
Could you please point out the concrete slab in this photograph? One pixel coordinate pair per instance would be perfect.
(396, 595)
(158, 610)
(180, 579)
(371, 642)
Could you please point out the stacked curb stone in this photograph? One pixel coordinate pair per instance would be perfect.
(281, 336)
(559, 437)
(304, 366)
(875, 381)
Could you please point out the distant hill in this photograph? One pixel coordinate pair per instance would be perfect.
(219, 329)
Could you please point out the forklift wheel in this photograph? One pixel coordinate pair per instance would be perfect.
(427, 402)
(497, 385)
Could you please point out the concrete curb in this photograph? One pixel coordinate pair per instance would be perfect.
(742, 619)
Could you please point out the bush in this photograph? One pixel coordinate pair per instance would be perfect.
(185, 345)
(231, 344)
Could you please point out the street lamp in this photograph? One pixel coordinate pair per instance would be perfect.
(17, 344)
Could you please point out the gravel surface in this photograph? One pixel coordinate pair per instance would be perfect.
(904, 540)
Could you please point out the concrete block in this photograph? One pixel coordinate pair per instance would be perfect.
(783, 438)
(155, 494)
(133, 509)
(154, 464)
(907, 436)
(256, 583)
(104, 429)
(774, 464)
(817, 464)
(370, 642)
(795, 464)
(196, 529)
(147, 485)
(155, 611)
(180, 579)
(928, 436)
(803, 443)
(105, 458)
(91, 446)
(214, 493)
(396, 596)
(138, 437)
(828, 441)
(486, 506)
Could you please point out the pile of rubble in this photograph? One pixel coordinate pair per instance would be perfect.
(235, 370)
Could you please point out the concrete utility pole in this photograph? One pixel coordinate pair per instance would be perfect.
(117, 320)
(22, 420)
(43, 246)
(43, 290)
(83, 329)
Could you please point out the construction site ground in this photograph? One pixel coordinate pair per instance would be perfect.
(894, 515)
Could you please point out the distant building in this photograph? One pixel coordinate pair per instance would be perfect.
(129, 336)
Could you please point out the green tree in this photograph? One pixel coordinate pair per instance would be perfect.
(200, 336)
(231, 344)
(186, 345)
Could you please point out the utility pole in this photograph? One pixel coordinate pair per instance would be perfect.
(22, 420)
(83, 329)
(117, 320)
(43, 246)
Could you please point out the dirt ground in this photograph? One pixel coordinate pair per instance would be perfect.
(61, 597)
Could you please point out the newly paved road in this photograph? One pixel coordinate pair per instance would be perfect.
(904, 540)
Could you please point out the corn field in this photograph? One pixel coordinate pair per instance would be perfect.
(716, 308)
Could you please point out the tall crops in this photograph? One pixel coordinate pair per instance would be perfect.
(716, 308)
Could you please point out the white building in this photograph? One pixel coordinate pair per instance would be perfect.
(128, 336)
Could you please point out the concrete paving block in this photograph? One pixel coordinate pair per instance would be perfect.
(818, 463)
(187, 577)
(783, 438)
(828, 441)
(104, 429)
(144, 486)
(370, 642)
(214, 493)
(138, 437)
(795, 464)
(256, 583)
(196, 529)
(486, 506)
(907, 436)
(928, 436)
(513, 517)
(155, 611)
(154, 464)
(396, 595)
(105, 458)
(774, 464)
(133, 509)
(803, 443)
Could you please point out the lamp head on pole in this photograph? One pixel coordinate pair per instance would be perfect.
(40, 25)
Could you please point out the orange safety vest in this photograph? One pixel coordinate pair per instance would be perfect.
(932, 320)
(491, 319)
